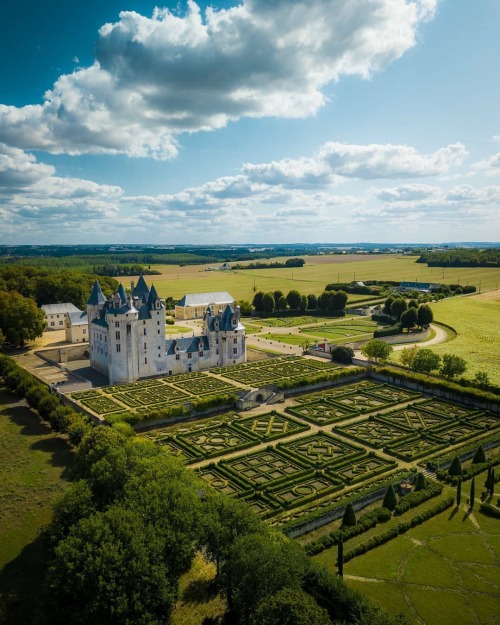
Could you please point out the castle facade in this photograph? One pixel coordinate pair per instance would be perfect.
(127, 337)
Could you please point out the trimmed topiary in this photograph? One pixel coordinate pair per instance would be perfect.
(455, 467)
(390, 499)
(479, 456)
(349, 517)
(472, 493)
(420, 483)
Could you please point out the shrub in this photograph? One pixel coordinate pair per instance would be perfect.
(416, 498)
(342, 354)
(490, 510)
(349, 517)
(390, 499)
(479, 456)
(420, 484)
(455, 467)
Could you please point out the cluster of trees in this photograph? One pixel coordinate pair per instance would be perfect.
(328, 301)
(50, 287)
(424, 360)
(462, 258)
(20, 319)
(115, 270)
(290, 262)
(408, 313)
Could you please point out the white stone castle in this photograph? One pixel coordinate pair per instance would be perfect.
(127, 337)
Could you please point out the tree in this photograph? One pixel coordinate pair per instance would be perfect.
(257, 301)
(349, 517)
(257, 567)
(338, 300)
(223, 520)
(282, 303)
(342, 354)
(293, 299)
(324, 300)
(2, 339)
(377, 349)
(245, 307)
(413, 304)
(409, 318)
(455, 467)
(277, 296)
(472, 493)
(303, 303)
(390, 499)
(111, 569)
(492, 482)
(452, 366)
(20, 318)
(408, 355)
(425, 315)
(312, 301)
(459, 491)
(268, 303)
(479, 456)
(340, 555)
(290, 607)
(420, 483)
(425, 361)
(77, 503)
(387, 305)
(481, 378)
(398, 307)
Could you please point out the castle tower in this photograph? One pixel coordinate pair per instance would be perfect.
(95, 302)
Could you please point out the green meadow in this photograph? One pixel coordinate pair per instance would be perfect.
(318, 271)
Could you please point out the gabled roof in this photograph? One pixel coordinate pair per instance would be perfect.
(96, 296)
(141, 289)
(78, 318)
(204, 299)
(58, 309)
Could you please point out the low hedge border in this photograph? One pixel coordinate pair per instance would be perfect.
(469, 472)
(399, 529)
(436, 461)
(433, 489)
(490, 510)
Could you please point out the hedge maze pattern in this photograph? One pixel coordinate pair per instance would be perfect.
(322, 412)
(321, 449)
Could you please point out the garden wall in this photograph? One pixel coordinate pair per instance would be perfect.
(66, 353)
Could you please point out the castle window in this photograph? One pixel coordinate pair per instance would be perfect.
(158, 332)
(216, 341)
(143, 323)
(190, 355)
(145, 361)
(235, 350)
(117, 324)
(217, 352)
(84, 331)
(61, 322)
(177, 356)
(158, 323)
(118, 348)
(144, 331)
(200, 353)
(235, 341)
(145, 346)
(117, 335)
(52, 323)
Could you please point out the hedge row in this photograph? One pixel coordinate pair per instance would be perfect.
(389, 331)
(401, 528)
(363, 524)
(436, 462)
(439, 383)
(489, 510)
(417, 497)
(285, 384)
(40, 398)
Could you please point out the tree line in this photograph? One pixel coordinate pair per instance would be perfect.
(290, 262)
(328, 301)
(462, 257)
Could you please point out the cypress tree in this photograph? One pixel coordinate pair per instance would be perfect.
(492, 481)
(479, 456)
(340, 555)
(349, 517)
(472, 493)
(459, 491)
(420, 484)
(487, 481)
(390, 499)
(455, 467)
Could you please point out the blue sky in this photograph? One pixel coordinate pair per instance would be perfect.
(311, 120)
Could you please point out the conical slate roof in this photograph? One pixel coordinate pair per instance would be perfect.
(96, 296)
(141, 288)
(153, 296)
(122, 294)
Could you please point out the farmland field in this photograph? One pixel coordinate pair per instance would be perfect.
(476, 319)
(318, 271)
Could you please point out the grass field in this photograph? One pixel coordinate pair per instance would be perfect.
(318, 271)
(440, 573)
(33, 470)
(476, 319)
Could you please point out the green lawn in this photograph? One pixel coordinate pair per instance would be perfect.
(176, 329)
(477, 323)
(33, 474)
(444, 572)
